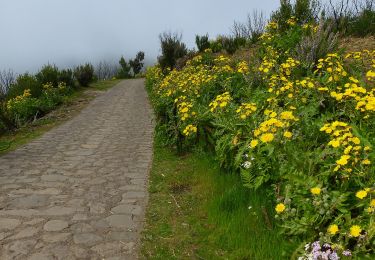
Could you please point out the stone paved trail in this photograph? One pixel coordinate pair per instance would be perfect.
(79, 192)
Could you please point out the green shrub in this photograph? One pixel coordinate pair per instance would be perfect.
(216, 46)
(24, 82)
(124, 70)
(84, 74)
(23, 108)
(229, 45)
(137, 63)
(48, 74)
(363, 24)
(172, 48)
(66, 76)
(202, 42)
(51, 97)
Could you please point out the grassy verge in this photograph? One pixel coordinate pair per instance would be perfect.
(197, 212)
(72, 105)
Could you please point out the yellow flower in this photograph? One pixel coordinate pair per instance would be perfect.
(280, 208)
(315, 190)
(361, 194)
(343, 160)
(355, 231)
(372, 203)
(253, 143)
(366, 162)
(333, 229)
(288, 134)
(267, 138)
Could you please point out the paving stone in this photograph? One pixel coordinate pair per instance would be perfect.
(127, 209)
(17, 249)
(34, 221)
(108, 249)
(29, 202)
(53, 237)
(120, 221)
(9, 223)
(55, 225)
(88, 239)
(27, 232)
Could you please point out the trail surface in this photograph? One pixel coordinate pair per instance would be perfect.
(79, 191)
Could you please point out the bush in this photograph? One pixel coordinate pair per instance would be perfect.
(48, 74)
(66, 76)
(137, 63)
(124, 71)
(172, 48)
(51, 97)
(24, 82)
(314, 46)
(23, 108)
(216, 46)
(202, 42)
(304, 134)
(84, 74)
(229, 45)
(363, 24)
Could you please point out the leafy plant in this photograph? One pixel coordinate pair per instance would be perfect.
(202, 42)
(84, 74)
(137, 63)
(172, 48)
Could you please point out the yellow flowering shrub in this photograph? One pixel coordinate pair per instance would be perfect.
(305, 133)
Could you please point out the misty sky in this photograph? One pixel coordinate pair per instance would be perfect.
(70, 32)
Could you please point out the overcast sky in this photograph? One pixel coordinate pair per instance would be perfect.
(70, 32)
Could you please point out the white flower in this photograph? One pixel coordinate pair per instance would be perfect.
(246, 165)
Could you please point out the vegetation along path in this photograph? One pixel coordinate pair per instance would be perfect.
(79, 192)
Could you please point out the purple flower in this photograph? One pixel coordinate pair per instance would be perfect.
(347, 253)
(334, 256)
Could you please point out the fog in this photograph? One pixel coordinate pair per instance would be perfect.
(71, 32)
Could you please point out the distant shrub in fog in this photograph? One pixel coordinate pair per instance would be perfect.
(84, 74)
(137, 63)
(172, 48)
(124, 70)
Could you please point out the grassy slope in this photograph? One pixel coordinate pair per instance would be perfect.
(70, 107)
(197, 212)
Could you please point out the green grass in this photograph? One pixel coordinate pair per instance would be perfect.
(197, 212)
(72, 104)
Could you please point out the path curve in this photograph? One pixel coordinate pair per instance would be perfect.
(79, 191)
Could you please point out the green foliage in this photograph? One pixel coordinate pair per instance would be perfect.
(363, 24)
(84, 74)
(137, 63)
(172, 48)
(124, 71)
(216, 45)
(24, 82)
(202, 42)
(229, 45)
(66, 76)
(305, 132)
(48, 74)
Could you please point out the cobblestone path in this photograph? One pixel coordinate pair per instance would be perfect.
(79, 192)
